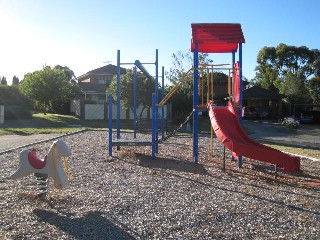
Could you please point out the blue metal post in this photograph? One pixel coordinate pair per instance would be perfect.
(118, 95)
(240, 100)
(135, 102)
(162, 108)
(156, 101)
(154, 142)
(110, 124)
(233, 79)
(195, 103)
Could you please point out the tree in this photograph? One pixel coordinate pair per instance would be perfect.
(17, 105)
(15, 80)
(314, 87)
(68, 72)
(180, 64)
(277, 66)
(145, 88)
(49, 89)
(4, 81)
(295, 89)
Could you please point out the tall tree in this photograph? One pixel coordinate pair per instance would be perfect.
(49, 88)
(15, 80)
(277, 66)
(4, 81)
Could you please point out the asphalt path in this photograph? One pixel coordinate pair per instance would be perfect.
(307, 136)
(12, 141)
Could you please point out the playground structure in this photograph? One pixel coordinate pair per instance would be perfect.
(225, 120)
(52, 165)
(137, 142)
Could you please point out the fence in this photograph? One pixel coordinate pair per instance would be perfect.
(99, 111)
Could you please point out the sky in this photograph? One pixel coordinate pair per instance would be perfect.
(86, 34)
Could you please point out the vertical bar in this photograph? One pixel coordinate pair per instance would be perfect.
(211, 143)
(135, 102)
(118, 95)
(229, 85)
(156, 101)
(224, 159)
(162, 108)
(233, 75)
(240, 100)
(153, 127)
(232, 85)
(208, 85)
(195, 103)
(110, 124)
(212, 84)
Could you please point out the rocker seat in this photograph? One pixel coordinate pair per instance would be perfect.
(35, 161)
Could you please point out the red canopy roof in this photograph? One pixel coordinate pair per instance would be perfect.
(216, 37)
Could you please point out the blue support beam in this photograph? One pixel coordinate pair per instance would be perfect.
(154, 140)
(118, 95)
(156, 85)
(135, 102)
(195, 104)
(232, 88)
(240, 100)
(162, 108)
(143, 69)
(110, 124)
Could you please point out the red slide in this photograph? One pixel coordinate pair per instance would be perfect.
(226, 126)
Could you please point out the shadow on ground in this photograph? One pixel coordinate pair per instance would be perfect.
(171, 164)
(92, 225)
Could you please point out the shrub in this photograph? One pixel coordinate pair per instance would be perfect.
(291, 123)
(16, 104)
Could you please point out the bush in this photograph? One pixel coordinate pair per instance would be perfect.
(291, 123)
(16, 104)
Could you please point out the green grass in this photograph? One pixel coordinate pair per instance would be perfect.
(308, 152)
(56, 123)
(30, 131)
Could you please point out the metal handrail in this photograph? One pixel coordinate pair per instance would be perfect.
(174, 89)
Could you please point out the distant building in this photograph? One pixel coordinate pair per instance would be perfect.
(264, 101)
(95, 82)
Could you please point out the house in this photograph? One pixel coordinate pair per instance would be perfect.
(95, 83)
(266, 102)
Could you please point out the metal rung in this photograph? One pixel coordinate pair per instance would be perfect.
(131, 142)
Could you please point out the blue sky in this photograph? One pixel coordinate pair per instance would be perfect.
(84, 35)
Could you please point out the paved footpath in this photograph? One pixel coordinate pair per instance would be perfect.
(308, 135)
(11, 141)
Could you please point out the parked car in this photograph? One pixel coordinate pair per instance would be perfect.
(250, 112)
(306, 117)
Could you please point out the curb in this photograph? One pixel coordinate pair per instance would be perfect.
(301, 156)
